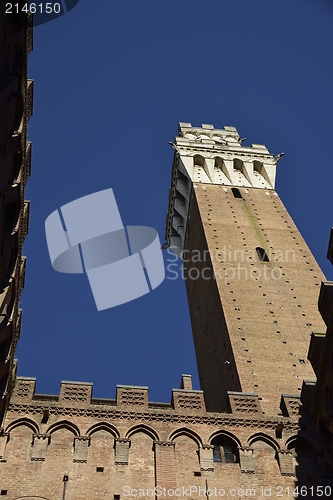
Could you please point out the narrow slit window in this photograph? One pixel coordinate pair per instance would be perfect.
(262, 255)
(236, 192)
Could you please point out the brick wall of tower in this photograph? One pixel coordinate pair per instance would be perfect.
(215, 358)
(16, 94)
(102, 446)
(252, 323)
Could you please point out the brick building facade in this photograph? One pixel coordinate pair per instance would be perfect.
(317, 394)
(262, 425)
(85, 448)
(16, 94)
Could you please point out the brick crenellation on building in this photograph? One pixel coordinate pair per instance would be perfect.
(107, 447)
(262, 425)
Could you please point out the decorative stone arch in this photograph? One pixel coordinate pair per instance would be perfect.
(267, 450)
(238, 164)
(295, 441)
(257, 166)
(64, 424)
(260, 436)
(218, 160)
(226, 434)
(184, 431)
(138, 436)
(31, 498)
(241, 166)
(103, 426)
(206, 164)
(27, 422)
(199, 160)
(220, 165)
(142, 428)
(301, 452)
(189, 452)
(226, 447)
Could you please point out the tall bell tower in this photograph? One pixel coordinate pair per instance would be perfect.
(252, 282)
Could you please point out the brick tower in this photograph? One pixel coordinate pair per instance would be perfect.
(252, 282)
(252, 287)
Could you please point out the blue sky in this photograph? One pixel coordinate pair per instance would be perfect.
(112, 81)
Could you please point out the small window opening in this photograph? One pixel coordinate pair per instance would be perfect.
(45, 416)
(3, 492)
(278, 431)
(99, 469)
(199, 161)
(225, 450)
(224, 454)
(116, 497)
(262, 255)
(197, 474)
(236, 192)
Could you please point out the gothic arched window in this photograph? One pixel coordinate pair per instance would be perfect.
(225, 450)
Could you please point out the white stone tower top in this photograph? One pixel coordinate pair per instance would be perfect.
(216, 156)
(212, 156)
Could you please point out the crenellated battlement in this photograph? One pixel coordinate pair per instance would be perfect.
(180, 443)
(187, 404)
(206, 155)
(130, 398)
(217, 156)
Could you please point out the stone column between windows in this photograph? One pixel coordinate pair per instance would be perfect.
(286, 463)
(246, 459)
(165, 465)
(206, 457)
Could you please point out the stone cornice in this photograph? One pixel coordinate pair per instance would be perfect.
(290, 424)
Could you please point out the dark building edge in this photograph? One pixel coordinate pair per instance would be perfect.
(16, 107)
